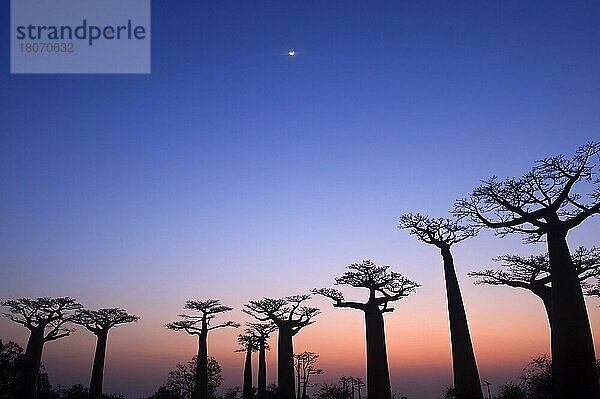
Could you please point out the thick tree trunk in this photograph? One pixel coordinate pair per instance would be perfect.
(98, 367)
(466, 376)
(201, 376)
(262, 371)
(285, 363)
(546, 296)
(573, 359)
(247, 391)
(378, 375)
(31, 364)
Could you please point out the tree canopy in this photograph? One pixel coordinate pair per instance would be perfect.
(49, 314)
(384, 286)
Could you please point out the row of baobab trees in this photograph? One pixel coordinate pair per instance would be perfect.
(545, 204)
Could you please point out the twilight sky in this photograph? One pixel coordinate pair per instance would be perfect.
(234, 172)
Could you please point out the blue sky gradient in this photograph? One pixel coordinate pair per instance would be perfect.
(234, 171)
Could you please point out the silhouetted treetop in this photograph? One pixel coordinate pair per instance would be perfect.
(101, 320)
(384, 286)
(441, 232)
(49, 314)
(305, 362)
(531, 271)
(517, 271)
(198, 324)
(262, 330)
(247, 342)
(542, 199)
(285, 310)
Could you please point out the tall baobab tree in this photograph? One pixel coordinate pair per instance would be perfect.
(305, 364)
(384, 287)
(45, 318)
(262, 332)
(100, 322)
(248, 344)
(533, 273)
(290, 316)
(200, 325)
(443, 233)
(546, 204)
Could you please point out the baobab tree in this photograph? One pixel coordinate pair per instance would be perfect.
(262, 332)
(556, 196)
(200, 325)
(533, 273)
(45, 318)
(100, 322)
(248, 344)
(305, 364)
(289, 316)
(443, 233)
(384, 287)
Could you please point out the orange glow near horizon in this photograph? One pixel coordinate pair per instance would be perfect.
(417, 340)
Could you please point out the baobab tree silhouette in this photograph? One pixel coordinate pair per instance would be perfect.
(200, 325)
(45, 318)
(384, 287)
(443, 233)
(248, 344)
(305, 364)
(544, 205)
(99, 322)
(290, 316)
(533, 273)
(262, 332)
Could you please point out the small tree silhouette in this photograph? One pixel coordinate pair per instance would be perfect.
(533, 273)
(443, 233)
(290, 317)
(181, 380)
(305, 368)
(262, 333)
(99, 322)
(384, 287)
(200, 325)
(45, 318)
(543, 204)
(248, 344)
(358, 384)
